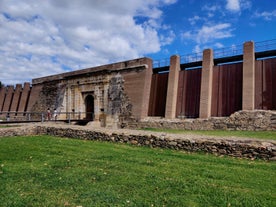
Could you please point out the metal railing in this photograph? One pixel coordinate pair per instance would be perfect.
(265, 45)
(161, 63)
(228, 51)
(234, 50)
(13, 116)
(189, 58)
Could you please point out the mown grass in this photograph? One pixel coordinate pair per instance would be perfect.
(221, 133)
(49, 171)
(7, 126)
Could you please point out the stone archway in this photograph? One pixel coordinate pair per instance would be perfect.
(89, 107)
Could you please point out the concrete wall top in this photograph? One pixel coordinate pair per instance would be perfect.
(103, 68)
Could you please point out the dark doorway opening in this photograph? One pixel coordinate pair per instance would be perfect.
(89, 105)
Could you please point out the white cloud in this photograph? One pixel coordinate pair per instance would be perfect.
(238, 5)
(168, 38)
(218, 45)
(197, 49)
(46, 37)
(266, 15)
(246, 4)
(193, 20)
(209, 33)
(211, 8)
(233, 5)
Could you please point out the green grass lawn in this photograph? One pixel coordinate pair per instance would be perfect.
(222, 133)
(7, 126)
(49, 171)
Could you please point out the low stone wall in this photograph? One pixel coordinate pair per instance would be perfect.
(258, 120)
(243, 148)
(18, 131)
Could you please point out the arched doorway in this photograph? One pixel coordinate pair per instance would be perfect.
(89, 106)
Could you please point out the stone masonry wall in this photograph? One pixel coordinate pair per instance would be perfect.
(258, 120)
(51, 96)
(118, 101)
(244, 148)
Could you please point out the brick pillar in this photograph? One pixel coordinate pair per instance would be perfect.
(172, 87)
(2, 96)
(248, 90)
(34, 96)
(146, 90)
(8, 98)
(16, 97)
(206, 84)
(24, 97)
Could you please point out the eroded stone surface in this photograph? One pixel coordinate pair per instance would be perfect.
(258, 120)
(231, 146)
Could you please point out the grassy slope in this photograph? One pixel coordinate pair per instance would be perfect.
(48, 171)
(222, 133)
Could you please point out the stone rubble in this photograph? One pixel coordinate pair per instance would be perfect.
(231, 146)
(257, 120)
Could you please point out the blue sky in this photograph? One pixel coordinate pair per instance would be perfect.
(40, 38)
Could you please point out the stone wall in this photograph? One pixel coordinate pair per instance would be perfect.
(118, 101)
(137, 85)
(51, 96)
(18, 131)
(120, 89)
(257, 120)
(244, 148)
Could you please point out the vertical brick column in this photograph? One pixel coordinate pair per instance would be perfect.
(34, 96)
(24, 97)
(146, 90)
(206, 84)
(16, 97)
(8, 98)
(172, 87)
(137, 84)
(2, 97)
(248, 90)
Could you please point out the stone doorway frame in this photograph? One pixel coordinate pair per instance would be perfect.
(89, 102)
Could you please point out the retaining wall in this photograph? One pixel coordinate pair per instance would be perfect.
(243, 148)
(258, 120)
